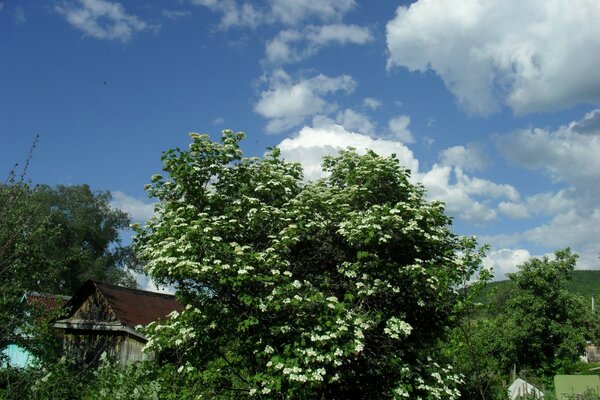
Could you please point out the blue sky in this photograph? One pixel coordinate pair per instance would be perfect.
(492, 104)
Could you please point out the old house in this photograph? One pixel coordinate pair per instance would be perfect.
(102, 318)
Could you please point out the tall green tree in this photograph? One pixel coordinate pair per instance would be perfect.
(56, 238)
(86, 244)
(543, 327)
(339, 288)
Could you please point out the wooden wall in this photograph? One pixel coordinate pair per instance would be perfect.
(87, 346)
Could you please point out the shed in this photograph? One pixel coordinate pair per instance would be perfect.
(102, 318)
(520, 388)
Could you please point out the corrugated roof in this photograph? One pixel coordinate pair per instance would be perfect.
(46, 302)
(138, 307)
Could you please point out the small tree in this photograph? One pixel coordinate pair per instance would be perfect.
(338, 288)
(543, 327)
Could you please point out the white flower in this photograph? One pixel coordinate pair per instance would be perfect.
(396, 327)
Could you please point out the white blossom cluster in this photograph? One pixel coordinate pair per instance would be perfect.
(395, 328)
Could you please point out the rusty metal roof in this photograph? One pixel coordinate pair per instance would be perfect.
(132, 307)
(138, 307)
(46, 302)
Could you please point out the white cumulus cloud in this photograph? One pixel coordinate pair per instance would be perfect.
(311, 144)
(470, 157)
(138, 210)
(355, 121)
(398, 128)
(468, 198)
(288, 103)
(505, 261)
(372, 103)
(530, 55)
(293, 45)
(102, 19)
(235, 14)
(569, 154)
(293, 12)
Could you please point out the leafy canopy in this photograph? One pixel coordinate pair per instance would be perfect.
(337, 288)
(542, 327)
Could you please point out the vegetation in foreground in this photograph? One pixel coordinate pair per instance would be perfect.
(353, 286)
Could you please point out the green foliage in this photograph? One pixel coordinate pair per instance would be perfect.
(468, 346)
(584, 283)
(544, 327)
(86, 245)
(55, 239)
(539, 328)
(61, 381)
(331, 289)
(52, 239)
(55, 381)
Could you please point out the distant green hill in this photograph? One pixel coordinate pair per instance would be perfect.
(584, 283)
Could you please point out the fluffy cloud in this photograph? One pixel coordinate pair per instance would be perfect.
(574, 228)
(505, 261)
(287, 12)
(311, 144)
(288, 103)
(102, 19)
(355, 121)
(539, 204)
(234, 13)
(568, 154)
(398, 128)
(138, 210)
(293, 12)
(513, 210)
(467, 198)
(293, 45)
(468, 158)
(371, 103)
(530, 55)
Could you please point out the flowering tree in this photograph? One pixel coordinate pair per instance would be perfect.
(338, 288)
